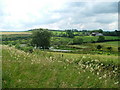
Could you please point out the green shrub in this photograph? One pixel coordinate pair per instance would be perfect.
(77, 40)
(101, 38)
(109, 48)
(118, 49)
(99, 47)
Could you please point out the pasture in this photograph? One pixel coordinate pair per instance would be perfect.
(95, 38)
(113, 44)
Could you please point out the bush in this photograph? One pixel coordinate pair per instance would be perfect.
(9, 45)
(118, 49)
(99, 47)
(109, 48)
(77, 40)
(101, 39)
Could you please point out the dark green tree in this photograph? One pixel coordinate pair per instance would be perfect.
(117, 33)
(100, 31)
(70, 33)
(101, 39)
(118, 49)
(99, 47)
(41, 38)
(109, 48)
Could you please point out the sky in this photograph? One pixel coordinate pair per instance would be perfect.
(21, 15)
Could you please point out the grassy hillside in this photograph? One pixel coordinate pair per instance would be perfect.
(42, 69)
(113, 44)
(95, 38)
(92, 46)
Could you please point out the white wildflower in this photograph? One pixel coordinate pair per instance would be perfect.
(100, 77)
(97, 73)
(19, 80)
(116, 82)
(104, 76)
(83, 57)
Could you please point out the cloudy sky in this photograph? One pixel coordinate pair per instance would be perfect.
(20, 15)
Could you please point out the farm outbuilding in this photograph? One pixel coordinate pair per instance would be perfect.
(96, 34)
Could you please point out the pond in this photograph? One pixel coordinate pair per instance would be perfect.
(59, 50)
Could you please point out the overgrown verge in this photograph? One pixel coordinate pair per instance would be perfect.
(42, 69)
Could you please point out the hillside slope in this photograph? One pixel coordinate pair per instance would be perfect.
(57, 70)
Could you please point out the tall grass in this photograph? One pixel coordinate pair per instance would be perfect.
(57, 70)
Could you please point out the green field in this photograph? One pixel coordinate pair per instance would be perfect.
(58, 70)
(95, 38)
(112, 43)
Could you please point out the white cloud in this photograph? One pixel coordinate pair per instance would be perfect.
(113, 25)
(54, 14)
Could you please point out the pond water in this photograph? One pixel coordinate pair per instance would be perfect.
(59, 50)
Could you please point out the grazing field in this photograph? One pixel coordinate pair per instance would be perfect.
(42, 69)
(113, 44)
(92, 46)
(95, 38)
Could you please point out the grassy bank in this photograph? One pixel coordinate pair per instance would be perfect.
(42, 69)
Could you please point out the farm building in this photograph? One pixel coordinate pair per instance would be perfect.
(96, 34)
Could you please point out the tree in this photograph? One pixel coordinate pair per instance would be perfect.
(118, 49)
(109, 48)
(70, 33)
(41, 38)
(77, 40)
(99, 47)
(117, 33)
(101, 39)
(100, 31)
(75, 30)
